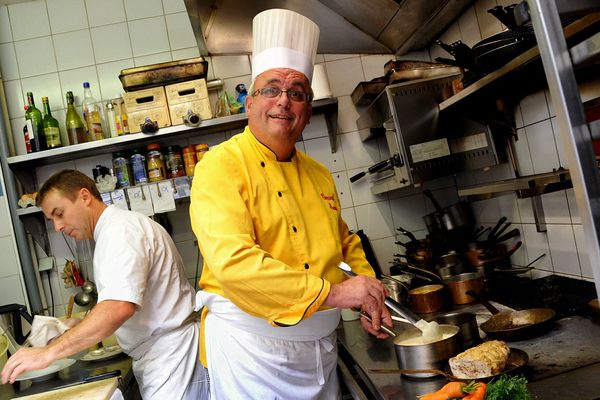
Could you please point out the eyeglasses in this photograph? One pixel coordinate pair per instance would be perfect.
(271, 92)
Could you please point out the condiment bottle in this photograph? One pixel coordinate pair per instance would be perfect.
(92, 113)
(156, 166)
(189, 160)
(174, 162)
(111, 119)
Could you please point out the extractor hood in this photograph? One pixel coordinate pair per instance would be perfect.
(395, 27)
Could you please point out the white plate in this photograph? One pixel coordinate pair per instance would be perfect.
(52, 368)
(93, 356)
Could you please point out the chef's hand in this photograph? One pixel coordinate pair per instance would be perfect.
(365, 292)
(384, 318)
(25, 359)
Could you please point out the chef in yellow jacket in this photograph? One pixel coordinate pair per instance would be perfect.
(268, 222)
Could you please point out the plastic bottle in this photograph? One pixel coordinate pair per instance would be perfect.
(92, 114)
(111, 119)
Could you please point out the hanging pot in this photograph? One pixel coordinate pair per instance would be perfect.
(457, 217)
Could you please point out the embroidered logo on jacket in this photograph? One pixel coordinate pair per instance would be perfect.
(330, 198)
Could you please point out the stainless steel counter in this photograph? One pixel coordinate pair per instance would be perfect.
(75, 373)
(564, 360)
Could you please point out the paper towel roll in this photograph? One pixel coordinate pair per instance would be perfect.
(320, 83)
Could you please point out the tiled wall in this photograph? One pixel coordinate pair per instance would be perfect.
(108, 35)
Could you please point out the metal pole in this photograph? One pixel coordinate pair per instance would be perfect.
(20, 235)
(574, 130)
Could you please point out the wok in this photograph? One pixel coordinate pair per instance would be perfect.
(516, 325)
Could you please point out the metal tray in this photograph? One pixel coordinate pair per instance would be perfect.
(167, 73)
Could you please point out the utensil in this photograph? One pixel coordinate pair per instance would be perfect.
(93, 378)
(70, 307)
(83, 299)
(391, 303)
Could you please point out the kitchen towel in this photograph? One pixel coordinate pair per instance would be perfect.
(44, 329)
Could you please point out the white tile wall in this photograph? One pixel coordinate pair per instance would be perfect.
(124, 33)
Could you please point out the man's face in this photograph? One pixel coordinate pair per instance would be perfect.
(70, 217)
(278, 117)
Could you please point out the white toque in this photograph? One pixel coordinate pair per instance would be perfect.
(283, 39)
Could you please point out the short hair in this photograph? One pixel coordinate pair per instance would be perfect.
(68, 182)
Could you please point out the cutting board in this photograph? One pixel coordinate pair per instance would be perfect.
(101, 390)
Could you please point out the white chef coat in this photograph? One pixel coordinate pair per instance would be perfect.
(294, 362)
(135, 260)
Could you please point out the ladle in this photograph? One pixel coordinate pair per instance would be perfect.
(391, 303)
(409, 371)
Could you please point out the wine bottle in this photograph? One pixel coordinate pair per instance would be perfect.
(35, 126)
(92, 113)
(51, 129)
(74, 124)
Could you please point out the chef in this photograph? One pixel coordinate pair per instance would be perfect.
(144, 296)
(268, 222)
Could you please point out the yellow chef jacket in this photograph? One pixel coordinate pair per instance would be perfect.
(270, 232)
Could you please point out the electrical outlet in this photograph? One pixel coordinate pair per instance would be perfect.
(45, 264)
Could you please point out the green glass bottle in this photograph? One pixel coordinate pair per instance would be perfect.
(74, 123)
(35, 126)
(51, 129)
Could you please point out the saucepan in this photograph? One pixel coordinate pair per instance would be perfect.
(454, 218)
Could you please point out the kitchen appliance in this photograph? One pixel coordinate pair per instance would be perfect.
(426, 143)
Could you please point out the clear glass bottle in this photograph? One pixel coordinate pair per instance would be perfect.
(51, 128)
(92, 113)
(35, 126)
(74, 123)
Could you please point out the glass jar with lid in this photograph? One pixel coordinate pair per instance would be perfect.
(189, 159)
(174, 162)
(122, 170)
(137, 161)
(155, 163)
(200, 150)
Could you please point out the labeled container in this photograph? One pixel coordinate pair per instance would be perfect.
(147, 103)
(122, 170)
(174, 162)
(200, 150)
(120, 115)
(188, 96)
(138, 167)
(155, 163)
(189, 160)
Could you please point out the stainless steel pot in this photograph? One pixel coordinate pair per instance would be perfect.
(467, 322)
(426, 356)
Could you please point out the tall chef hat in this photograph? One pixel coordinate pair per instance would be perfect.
(283, 39)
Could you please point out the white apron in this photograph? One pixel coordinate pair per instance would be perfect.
(250, 359)
(165, 366)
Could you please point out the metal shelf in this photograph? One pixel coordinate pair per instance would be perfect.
(586, 51)
(326, 106)
(28, 210)
(517, 63)
(526, 186)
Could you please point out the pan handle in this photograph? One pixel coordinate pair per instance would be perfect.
(494, 230)
(437, 206)
(407, 234)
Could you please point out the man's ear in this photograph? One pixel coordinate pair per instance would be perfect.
(248, 102)
(85, 195)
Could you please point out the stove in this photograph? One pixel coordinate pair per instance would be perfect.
(566, 296)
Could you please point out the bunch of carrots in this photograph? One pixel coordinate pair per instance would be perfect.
(458, 390)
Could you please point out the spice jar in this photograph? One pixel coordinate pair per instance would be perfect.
(189, 160)
(156, 166)
(200, 150)
(122, 170)
(137, 161)
(174, 162)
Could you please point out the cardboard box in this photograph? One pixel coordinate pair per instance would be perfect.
(189, 95)
(144, 103)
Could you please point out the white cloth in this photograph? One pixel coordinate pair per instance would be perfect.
(44, 329)
(283, 39)
(250, 359)
(135, 260)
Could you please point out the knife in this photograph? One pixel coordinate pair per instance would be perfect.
(93, 378)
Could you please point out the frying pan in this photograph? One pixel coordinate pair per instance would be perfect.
(529, 323)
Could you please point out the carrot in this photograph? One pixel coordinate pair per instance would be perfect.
(478, 393)
(450, 390)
